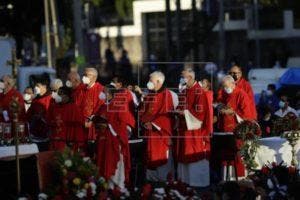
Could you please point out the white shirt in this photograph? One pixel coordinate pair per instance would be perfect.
(281, 113)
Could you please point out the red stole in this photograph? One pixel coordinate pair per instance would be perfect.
(191, 144)
(91, 104)
(156, 109)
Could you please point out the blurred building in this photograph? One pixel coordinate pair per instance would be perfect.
(278, 32)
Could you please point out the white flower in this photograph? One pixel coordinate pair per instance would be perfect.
(68, 163)
(43, 196)
(81, 194)
(270, 184)
(160, 190)
(22, 198)
(101, 180)
(86, 159)
(94, 188)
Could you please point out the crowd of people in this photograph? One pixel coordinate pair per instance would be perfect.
(98, 120)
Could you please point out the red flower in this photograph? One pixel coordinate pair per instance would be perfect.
(274, 164)
(102, 196)
(265, 170)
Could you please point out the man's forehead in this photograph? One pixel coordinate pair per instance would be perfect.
(235, 69)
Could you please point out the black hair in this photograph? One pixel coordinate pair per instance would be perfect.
(272, 86)
(65, 91)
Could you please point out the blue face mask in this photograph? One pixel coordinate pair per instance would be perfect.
(281, 104)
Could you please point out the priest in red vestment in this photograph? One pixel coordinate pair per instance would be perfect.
(155, 116)
(113, 157)
(37, 113)
(8, 95)
(77, 86)
(193, 133)
(127, 101)
(91, 104)
(236, 73)
(234, 107)
(66, 122)
(206, 86)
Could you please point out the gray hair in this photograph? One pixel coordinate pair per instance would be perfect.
(158, 75)
(190, 72)
(228, 78)
(56, 83)
(93, 70)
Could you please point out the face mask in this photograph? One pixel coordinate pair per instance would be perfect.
(228, 90)
(68, 84)
(54, 95)
(269, 93)
(182, 81)
(26, 97)
(150, 85)
(1, 87)
(86, 80)
(281, 104)
(37, 91)
(102, 96)
(58, 99)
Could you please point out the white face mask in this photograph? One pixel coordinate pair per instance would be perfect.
(150, 85)
(228, 90)
(27, 97)
(1, 87)
(182, 81)
(200, 83)
(54, 95)
(86, 80)
(102, 96)
(69, 84)
(269, 93)
(281, 104)
(58, 99)
(37, 90)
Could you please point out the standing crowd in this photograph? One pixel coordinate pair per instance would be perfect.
(100, 121)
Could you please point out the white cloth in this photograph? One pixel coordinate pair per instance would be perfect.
(192, 122)
(24, 149)
(195, 174)
(275, 149)
(281, 113)
(160, 174)
(175, 99)
(119, 177)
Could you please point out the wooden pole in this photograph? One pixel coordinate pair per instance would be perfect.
(47, 30)
(54, 23)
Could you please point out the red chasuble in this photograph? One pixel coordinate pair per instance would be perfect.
(245, 85)
(66, 124)
(209, 120)
(78, 94)
(112, 140)
(91, 104)
(125, 103)
(156, 109)
(37, 114)
(5, 101)
(239, 101)
(191, 144)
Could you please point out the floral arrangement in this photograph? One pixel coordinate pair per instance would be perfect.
(274, 180)
(289, 122)
(248, 132)
(75, 177)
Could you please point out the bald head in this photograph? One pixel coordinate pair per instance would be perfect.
(73, 79)
(9, 82)
(236, 72)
